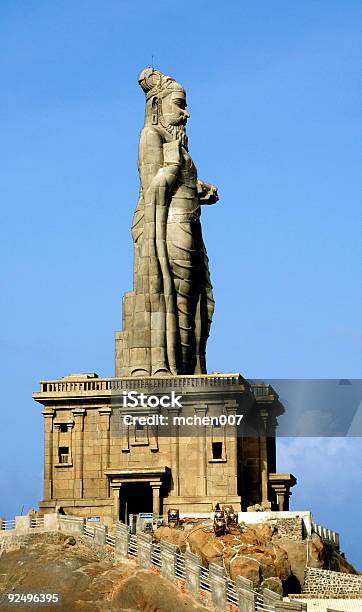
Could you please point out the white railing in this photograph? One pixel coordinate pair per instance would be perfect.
(37, 522)
(231, 593)
(327, 535)
(180, 566)
(7, 525)
(156, 555)
(88, 531)
(133, 546)
(205, 583)
(111, 540)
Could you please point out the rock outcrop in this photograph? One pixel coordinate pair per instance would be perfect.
(258, 552)
(85, 578)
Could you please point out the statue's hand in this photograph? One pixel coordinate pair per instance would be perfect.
(207, 193)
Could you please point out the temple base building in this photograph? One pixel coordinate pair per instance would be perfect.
(101, 461)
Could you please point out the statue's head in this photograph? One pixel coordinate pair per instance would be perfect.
(165, 99)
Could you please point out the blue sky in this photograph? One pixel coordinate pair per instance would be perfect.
(275, 123)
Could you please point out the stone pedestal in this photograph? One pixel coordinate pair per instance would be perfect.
(96, 464)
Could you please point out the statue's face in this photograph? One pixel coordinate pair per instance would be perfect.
(174, 108)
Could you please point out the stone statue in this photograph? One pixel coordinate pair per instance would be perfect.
(167, 317)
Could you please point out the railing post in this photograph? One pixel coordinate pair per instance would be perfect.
(22, 523)
(72, 524)
(243, 583)
(2, 523)
(100, 534)
(270, 597)
(51, 522)
(122, 537)
(247, 600)
(192, 572)
(168, 560)
(290, 606)
(218, 586)
(144, 541)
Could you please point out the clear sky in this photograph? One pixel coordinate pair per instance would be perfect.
(275, 123)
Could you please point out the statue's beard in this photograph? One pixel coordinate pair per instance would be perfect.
(178, 132)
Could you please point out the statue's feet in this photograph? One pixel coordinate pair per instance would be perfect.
(162, 372)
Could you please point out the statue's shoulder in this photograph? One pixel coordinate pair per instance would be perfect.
(150, 135)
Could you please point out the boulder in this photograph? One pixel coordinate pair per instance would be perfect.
(273, 584)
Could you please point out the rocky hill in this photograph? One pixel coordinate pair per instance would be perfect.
(85, 578)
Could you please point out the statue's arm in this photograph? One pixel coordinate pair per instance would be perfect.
(207, 193)
(159, 162)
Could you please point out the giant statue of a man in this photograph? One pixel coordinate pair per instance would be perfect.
(168, 314)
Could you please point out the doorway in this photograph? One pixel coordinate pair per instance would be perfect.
(135, 497)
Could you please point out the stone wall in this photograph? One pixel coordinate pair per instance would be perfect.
(323, 582)
(291, 528)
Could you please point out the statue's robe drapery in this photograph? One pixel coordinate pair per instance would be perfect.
(173, 302)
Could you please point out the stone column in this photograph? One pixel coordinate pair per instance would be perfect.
(116, 501)
(78, 414)
(48, 414)
(232, 448)
(264, 458)
(104, 415)
(175, 449)
(201, 410)
(70, 441)
(156, 488)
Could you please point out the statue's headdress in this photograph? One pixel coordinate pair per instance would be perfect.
(154, 83)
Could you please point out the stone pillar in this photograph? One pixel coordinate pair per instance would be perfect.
(72, 524)
(168, 560)
(201, 410)
(122, 538)
(270, 598)
(263, 459)
(116, 492)
(247, 600)
(100, 534)
(104, 415)
(175, 450)
(243, 583)
(2, 523)
(218, 586)
(78, 414)
(51, 521)
(144, 542)
(290, 606)
(232, 449)
(192, 572)
(22, 523)
(48, 414)
(156, 488)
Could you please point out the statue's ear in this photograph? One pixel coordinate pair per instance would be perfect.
(155, 111)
